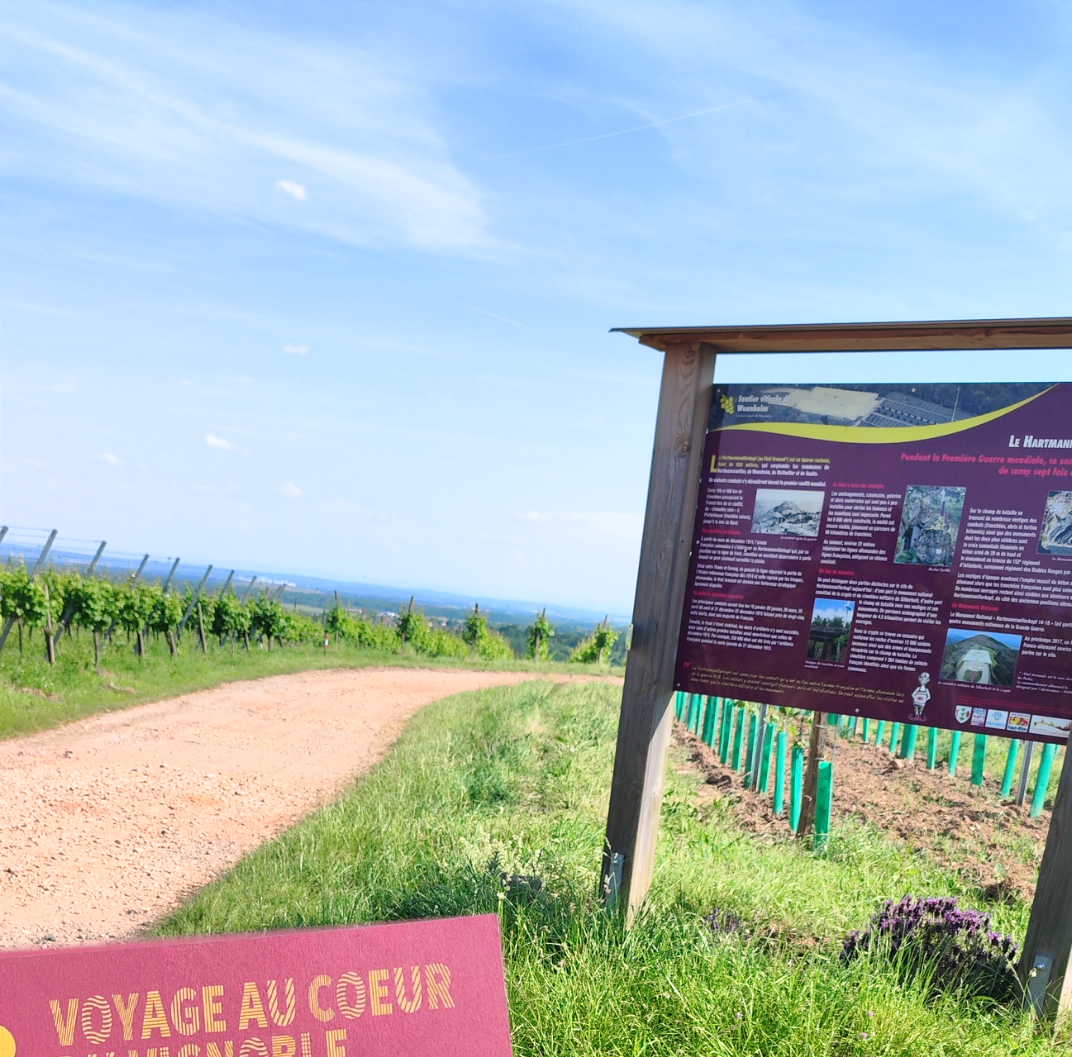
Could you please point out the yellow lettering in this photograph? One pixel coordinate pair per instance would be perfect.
(410, 1005)
(126, 1013)
(350, 1010)
(333, 1039)
(253, 1048)
(284, 1046)
(65, 1025)
(306, 1045)
(314, 999)
(152, 1052)
(378, 992)
(154, 1017)
(186, 1018)
(191, 1049)
(210, 1003)
(252, 1008)
(437, 982)
(284, 1018)
(214, 1050)
(100, 1004)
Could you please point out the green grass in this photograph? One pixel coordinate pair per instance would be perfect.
(72, 689)
(513, 781)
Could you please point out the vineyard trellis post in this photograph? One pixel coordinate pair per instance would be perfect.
(65, 623)
(193, 602)
(33, 572)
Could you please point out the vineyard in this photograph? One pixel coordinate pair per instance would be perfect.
(44, 606)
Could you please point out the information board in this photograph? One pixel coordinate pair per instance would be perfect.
(900, 552)
(423, 988)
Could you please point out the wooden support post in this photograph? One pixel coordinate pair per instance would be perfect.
(824, 804)
(978, 759)
(1044, 962)
(954, 753)
(779, 773)
(908, 742)
(796, 784)
(1025, 774)
(50, 645)
(816, 747)
(738, 737)
(644, 724)
(1042, 780)
(932, 748)
(1010, 767)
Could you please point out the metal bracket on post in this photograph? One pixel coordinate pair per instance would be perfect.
(612, 883)
(1038, 979)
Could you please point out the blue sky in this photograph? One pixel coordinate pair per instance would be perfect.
(326, 287)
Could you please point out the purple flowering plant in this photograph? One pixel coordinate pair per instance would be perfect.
(933, 935)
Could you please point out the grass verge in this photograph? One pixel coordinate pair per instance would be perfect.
(495, 801)
(36, 695)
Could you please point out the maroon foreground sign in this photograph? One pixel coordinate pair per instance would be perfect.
(902, 552)
(423, 988)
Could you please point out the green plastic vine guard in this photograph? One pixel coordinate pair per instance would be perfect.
(1010, 766)
(908, 742)
(867, 731)
(709, 717)
(796, 786)
(738, 737)
(727, 730)
(779, 773)
(1042, 780)
(824, 803)
(764, 763)
(752, 756)
(954, 753)
(932, 748)
(895, 738)
(978, 759)
(880, 733)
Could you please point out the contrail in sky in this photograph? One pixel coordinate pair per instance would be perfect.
(620, 132)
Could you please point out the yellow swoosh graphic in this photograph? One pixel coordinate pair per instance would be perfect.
(877, 434)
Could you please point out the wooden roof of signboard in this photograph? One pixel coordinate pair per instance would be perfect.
(1046, 333)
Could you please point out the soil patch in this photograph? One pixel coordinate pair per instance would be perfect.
(993, 845)
(106, 824)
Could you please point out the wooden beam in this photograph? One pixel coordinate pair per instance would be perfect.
(1052, 333)
(644, 725)
(1044, 964)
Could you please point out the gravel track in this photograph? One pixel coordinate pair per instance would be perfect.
(107, 824)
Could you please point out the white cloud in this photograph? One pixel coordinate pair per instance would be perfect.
(289, 490)
(297, 350)
(191, 111)
(110, 459)
(218, 442)
(292, 188)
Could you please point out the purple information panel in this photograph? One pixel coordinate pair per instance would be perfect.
(900, 552)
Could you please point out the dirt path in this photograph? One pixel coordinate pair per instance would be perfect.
(107, 823)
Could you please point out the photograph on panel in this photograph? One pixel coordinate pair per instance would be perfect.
(788, 512)
(930, 522)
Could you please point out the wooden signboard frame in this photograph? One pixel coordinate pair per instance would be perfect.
(645, 722)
